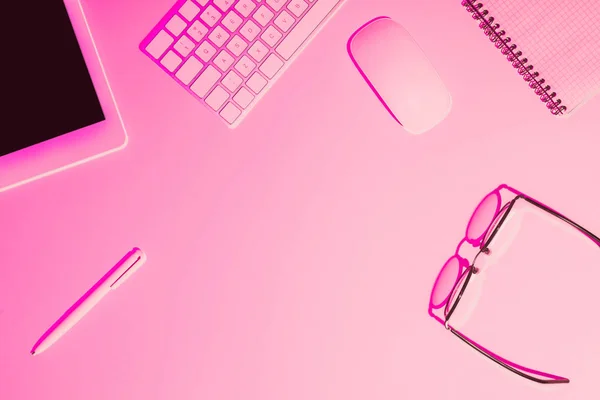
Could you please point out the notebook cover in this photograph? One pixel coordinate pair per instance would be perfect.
(552, 43)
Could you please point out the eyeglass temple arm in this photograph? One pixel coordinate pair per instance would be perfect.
(515, 368)
(536, 203)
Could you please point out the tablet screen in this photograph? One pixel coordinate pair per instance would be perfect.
(49, 86)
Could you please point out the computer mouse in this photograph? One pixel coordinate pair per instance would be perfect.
(400, 74)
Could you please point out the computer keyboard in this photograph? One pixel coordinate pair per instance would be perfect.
(228, 53)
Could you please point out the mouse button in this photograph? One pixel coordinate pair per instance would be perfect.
(410, 85)
(372, 51)
(403, 74)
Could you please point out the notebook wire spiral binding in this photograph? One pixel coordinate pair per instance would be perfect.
(502, 42)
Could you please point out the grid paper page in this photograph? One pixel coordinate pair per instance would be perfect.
(560, 38)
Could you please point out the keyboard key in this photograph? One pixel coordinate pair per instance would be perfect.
(189, 70)
(284, 21)
(232, 21)
(232, 81)
(205, 81)
(211, 16)
(171, 61)
(263, 15)
(258, 51)
(218, 36)
(176, 25)
(230, 113)
(217, 98)
(271, 36)
(224, 60)
(297, 7)
(205, 51)
(276, 4)
(223, 4)
(297, 36)
(197, 31)
(204, 2)
(161, 42)
(250, 30)
(237, 45)
(189, 10)
(256, 82)
(271, 65)
(245, 66)
(243, 98)
(245, 7)
(184, 46)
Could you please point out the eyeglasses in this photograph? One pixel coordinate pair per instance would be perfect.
(457, 272)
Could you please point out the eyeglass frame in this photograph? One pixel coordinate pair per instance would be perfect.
(483, 245)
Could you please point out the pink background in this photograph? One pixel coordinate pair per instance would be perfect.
(293, 257)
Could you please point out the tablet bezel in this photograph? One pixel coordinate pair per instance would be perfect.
(80, 146)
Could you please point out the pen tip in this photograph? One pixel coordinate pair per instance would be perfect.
(32, 352)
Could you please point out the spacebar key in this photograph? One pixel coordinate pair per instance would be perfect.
(305, 27)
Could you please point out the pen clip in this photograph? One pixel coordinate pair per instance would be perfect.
(131, 264)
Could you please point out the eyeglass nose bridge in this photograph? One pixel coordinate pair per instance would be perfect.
(460, 245)
(468, 251)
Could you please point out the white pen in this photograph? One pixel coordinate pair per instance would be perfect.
(112, 280)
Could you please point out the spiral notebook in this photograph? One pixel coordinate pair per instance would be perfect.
(553, 44)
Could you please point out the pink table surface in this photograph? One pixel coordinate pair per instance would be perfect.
(293, 257)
